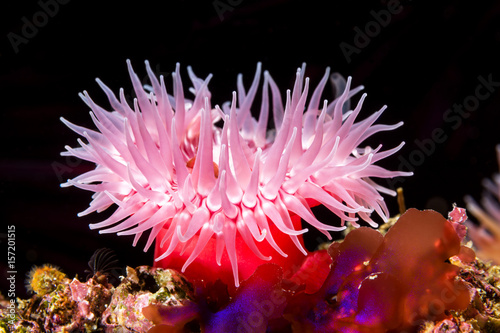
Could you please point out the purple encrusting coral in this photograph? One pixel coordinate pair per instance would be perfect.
(169, 169)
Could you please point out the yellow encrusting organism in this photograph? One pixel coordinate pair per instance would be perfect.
(45, 279)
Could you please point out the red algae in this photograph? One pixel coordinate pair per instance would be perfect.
(313, 272)
(379, 284)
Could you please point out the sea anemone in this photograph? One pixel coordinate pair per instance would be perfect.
(486, 237)
(202, 189)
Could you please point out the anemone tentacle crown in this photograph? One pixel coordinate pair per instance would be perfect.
(169, 168)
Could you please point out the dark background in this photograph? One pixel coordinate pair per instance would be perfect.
(421, 63)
